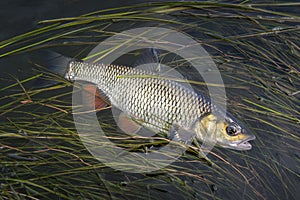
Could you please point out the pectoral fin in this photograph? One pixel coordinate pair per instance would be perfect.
(127, 125)
(181, 135)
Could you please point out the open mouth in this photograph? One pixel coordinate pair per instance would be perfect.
(244, 145)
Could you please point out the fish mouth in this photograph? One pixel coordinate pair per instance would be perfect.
(243, 145)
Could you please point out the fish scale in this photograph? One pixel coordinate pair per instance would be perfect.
(157, 102)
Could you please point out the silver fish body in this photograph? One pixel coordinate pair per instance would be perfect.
(158, 103)
(153, 100)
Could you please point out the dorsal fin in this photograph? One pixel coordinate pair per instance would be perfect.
(149, 55)
(148, 60)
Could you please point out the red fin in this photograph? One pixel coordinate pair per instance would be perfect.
(127, 125)
(92, 98)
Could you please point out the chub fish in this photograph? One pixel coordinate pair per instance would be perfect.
(155, 103)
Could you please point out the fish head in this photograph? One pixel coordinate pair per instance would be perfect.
(234, 135)
(224, 131)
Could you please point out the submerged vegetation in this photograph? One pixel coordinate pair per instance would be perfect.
(257, 50)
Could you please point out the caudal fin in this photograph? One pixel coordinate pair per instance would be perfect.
(49, 62)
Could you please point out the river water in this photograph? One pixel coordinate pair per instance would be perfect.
(42, 156)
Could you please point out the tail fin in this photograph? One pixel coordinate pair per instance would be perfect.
(50, 62)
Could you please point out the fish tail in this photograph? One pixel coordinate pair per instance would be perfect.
(51, 63)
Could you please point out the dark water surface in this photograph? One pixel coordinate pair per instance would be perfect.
(42, 157)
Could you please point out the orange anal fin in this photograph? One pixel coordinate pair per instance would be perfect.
(92, 98)
(127, 125)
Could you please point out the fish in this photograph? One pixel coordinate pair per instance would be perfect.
(148, 100)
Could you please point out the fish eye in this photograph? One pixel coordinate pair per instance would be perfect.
(231, 130)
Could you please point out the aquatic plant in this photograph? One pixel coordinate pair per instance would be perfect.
(256, 48)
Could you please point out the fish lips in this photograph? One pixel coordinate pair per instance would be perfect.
(243, 145)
